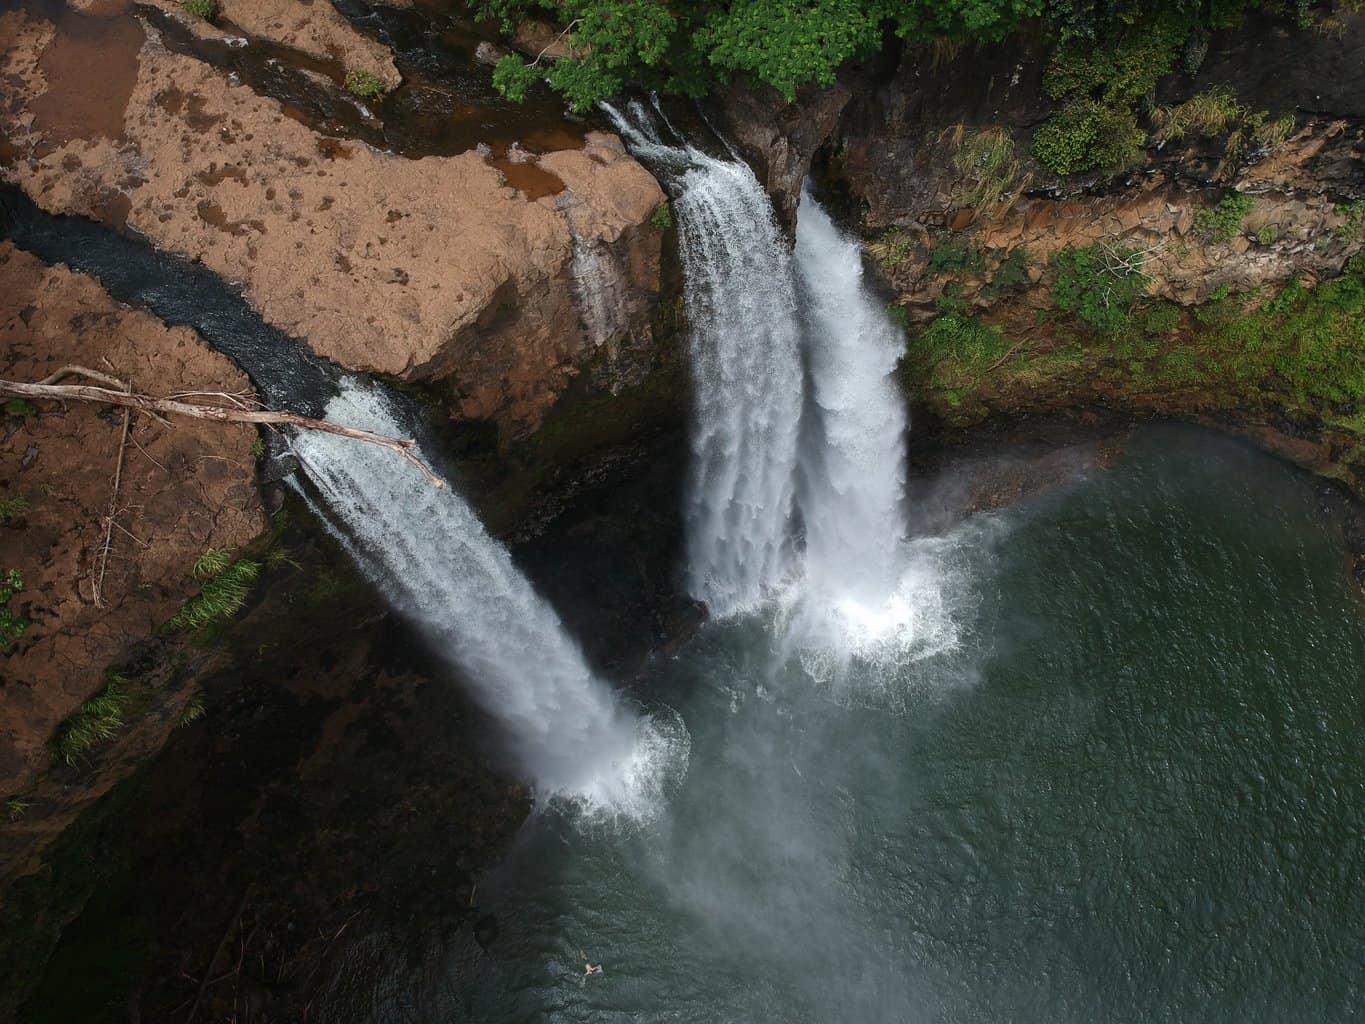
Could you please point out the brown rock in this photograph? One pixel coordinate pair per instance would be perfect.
(422, 268)
(184, 488)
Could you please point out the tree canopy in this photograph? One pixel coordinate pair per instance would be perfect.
(686, 46)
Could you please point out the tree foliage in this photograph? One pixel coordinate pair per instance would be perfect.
(1111, 50)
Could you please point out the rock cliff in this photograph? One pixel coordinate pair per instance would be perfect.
(420, 268)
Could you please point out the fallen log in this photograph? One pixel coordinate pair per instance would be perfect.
(47, 389)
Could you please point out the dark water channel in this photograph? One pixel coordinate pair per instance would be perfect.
(1134, 791)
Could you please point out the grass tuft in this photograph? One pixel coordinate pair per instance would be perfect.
(97, 720)
(221, 597)
(211, 563)
(989, 171)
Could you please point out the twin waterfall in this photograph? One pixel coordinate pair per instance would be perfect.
(796, 423)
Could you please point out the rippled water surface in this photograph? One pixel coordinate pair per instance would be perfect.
(1133, 791)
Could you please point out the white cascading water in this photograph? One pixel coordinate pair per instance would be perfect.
(865, 594)
(428, 551)
(855, 479)
(746, 368)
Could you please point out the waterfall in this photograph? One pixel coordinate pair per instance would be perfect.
(866, 592)
(746, 365)
(427, 550)
(855, 471)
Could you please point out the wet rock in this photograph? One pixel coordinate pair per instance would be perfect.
(428, 268)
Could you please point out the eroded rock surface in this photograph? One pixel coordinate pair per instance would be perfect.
(423, 268)
(184, 488)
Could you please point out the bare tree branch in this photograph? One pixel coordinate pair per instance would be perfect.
(172, 407)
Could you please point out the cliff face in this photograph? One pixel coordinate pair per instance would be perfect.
(431, 268)
(101, 571)
(1185, 285)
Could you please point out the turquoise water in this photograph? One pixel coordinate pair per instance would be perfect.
(1134, 790)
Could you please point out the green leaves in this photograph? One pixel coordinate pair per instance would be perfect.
(787, 43)
(512, 76)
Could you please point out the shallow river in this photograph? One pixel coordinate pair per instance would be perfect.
(1132, 788)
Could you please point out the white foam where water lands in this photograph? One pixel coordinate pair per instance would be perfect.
(866, 594)
(427, 550)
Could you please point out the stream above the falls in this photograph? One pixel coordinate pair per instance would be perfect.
(1134, 790)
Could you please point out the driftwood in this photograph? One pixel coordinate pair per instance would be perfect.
(117, 393)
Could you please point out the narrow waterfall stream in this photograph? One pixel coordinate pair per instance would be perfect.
(746, 364)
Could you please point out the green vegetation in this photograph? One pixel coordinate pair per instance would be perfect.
(12, 626)
(1088, 136)
(1353, 219)
(12, 506)
(1222, 222)
(1012, 273)
(1098, 284)
(662, 217)
(1110, 52)
(1207, 113)
(989, 172)
(211, 563)
(15, 807)
(205, 9)
(955, 255)
(19, 407)
(258, 448)
(365, 85)
(892, 249)
(1216, 111)
(98, 719)
(192, 711)
(222, 596)
(1300, 350)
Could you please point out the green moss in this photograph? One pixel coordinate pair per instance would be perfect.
(1222, 222)
(19, 407)
(12, 626)
(204, 9)
(1011, 273)
(662, 217)
(364, 85)
(954, 255)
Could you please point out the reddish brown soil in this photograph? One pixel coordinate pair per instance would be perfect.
(185, 488)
